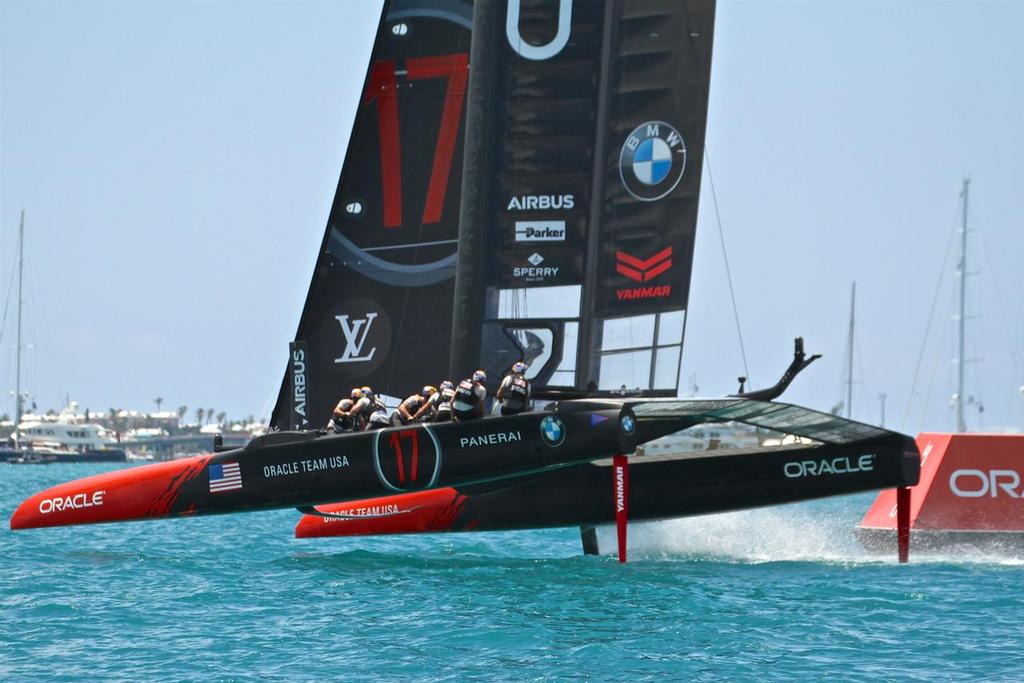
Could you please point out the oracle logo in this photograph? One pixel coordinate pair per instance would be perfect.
(969, 483)
(79, 501)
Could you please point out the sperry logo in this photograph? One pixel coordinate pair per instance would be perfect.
(643, 270)
(355, 332)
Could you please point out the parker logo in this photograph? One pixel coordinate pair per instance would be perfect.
(540, 231)
(643, 270)
(365, 336)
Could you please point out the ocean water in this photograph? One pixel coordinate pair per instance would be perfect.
(777, 593)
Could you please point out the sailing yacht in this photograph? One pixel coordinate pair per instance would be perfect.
(68, 437)
(539, 207)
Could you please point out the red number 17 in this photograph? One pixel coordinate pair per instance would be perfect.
(396, 446)
(383, 88)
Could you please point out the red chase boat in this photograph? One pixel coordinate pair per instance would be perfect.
(969, 496)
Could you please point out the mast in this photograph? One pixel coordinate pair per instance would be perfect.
(587, 364)
(849, 353)
(474, 216)
(961, 424)
(17, 389)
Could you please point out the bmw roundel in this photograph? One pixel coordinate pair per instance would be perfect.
(652, 160)
(628, 425)
(552, 430)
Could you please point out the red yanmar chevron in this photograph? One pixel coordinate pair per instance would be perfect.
(643, 270)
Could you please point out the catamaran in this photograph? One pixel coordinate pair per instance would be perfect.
(521, 183)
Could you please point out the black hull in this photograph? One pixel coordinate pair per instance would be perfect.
(660, 487)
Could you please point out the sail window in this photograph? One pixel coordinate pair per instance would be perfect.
(537, 345)
(627, 370)
(666, 368)
(539, 302)
(641, 352)
(670, 328)
(628, 333)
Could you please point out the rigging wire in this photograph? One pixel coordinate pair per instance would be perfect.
(725, 257)
(931, 316)
(999, 297)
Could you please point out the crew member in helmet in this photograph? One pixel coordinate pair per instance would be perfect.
(442, 402)
(377, 417)
(416, 408)
(470, 394)
(342, 419)
(363, 408)
(514, 393)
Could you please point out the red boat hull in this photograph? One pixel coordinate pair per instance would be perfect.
(970, 493)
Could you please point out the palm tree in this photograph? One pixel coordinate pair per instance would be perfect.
(200, 413)
(114, 423)
(209, 413)
(158, 401)
(221, 417)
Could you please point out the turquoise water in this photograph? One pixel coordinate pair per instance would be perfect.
(780, 593)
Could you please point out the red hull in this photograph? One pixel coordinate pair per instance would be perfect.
(971, 487)
(122, 495)
(409, 513)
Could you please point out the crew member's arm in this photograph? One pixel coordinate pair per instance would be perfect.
(500, 393)
(427, 405)
(403, 410)
(481, 398)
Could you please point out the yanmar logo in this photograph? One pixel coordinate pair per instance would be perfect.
(643, 270)
(980, 483)
(79, 501)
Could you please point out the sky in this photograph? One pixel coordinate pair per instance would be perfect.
(177, 161)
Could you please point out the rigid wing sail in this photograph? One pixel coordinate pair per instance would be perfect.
(521, 183)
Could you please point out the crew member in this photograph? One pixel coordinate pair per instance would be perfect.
(468, 403)
(442, 402)
(363, 408)
(416, 408)
(514, 393)
(341, 419)
(377, 417)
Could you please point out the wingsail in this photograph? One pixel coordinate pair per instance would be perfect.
(550, 191)
(378, 310)
(580, 202)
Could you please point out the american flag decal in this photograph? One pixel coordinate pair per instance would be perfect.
(225, 477)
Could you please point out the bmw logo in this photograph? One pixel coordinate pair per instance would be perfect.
(628, 424)
(652, 160)
(552, 430)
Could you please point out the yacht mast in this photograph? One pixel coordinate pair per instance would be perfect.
(961, 424)
(17, 389)
(849, 353)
